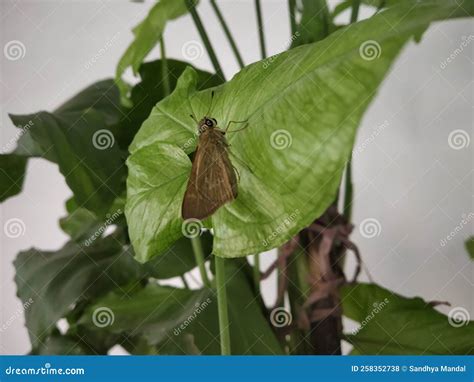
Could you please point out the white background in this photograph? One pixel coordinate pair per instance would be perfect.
(408, 177)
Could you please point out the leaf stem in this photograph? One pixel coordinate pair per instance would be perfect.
(261, 36)
(199, 256)
(348, 192)
(164, 67)
(292, 7)
(205, 39)
(227, 33)
(222, 306)
(256, 272)
(355, 10)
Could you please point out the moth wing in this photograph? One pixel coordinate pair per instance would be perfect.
(212, 182)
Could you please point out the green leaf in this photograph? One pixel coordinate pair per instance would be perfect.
(469, 244)
(78, 137)
(302, 108)
(178, 259)
(147, 35)
(55, 281)
(393, 324)
(314, 25)
(180, 321)
(150, 90)
(58, 344)
(12, 173)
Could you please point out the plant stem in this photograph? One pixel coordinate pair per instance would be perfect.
(199, 256)
(256, 272)
(222, 305)
(164, 67)
(205, 38)
(227, 33)
(183, 279)
(292, 7)
(347, 208)
(355, 10)
(261, 36)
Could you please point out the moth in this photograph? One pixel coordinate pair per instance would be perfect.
(213, 180)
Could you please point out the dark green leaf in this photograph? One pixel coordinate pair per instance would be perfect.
(147, 34)
(12, 173)
(303, 108)
(393, 324)
(315, 23)
(470, 247)
(55, 281)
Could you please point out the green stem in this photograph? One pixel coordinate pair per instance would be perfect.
(355, 10)
(227, 33)
(261, 36)
(348, 192)
(183, 279)
(222, 305)
(164, 67)
(256, 272)
(199, 256)
(205, 38)
(292, 6)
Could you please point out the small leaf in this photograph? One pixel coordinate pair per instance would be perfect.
(12, 173)
(392, 324)
(302, 107)
(470, 247)
(147, 34)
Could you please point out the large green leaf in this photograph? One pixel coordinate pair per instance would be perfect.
(78, 137)
(179, 321)
(393, 324)
(12, 173)
(147, 35)
(302, 110)
(55, 281)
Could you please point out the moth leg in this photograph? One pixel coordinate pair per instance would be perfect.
(228, 125)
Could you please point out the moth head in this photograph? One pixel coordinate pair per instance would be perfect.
(207, 123)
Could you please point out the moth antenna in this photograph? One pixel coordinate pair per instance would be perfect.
(210, 106)
(193, 117)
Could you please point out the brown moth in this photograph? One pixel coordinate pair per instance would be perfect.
(213, 180)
